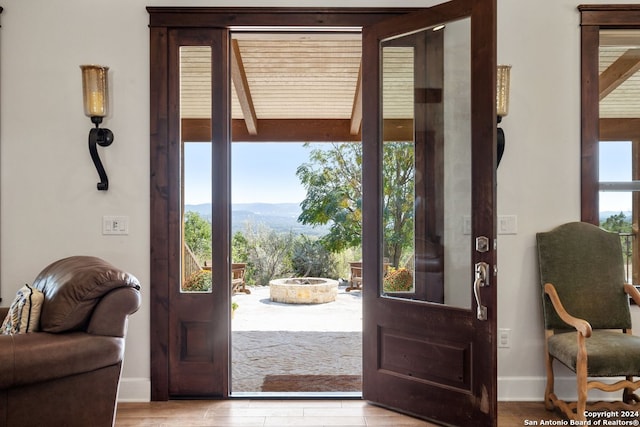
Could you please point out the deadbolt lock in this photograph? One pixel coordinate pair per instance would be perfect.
(482, 244)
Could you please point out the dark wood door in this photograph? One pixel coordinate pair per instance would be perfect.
(430, 319)
(199, 318)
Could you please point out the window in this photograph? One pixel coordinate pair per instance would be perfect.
(615, 201)
(610, 125)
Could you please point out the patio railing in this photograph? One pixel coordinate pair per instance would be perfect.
(627, 251)
(191, 264)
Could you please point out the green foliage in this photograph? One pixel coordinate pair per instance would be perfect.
(397, 280)
(197, 235)
(239, 248)
(332, 179)
(268, 253)
(398, 199)
(342, 260)
(240, 253)
(200, 281)
(310, 258)
(618, 223)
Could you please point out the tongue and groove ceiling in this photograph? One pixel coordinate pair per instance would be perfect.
(285, 85)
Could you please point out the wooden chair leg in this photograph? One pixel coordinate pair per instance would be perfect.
(549, 396)
(548, 392)
(581, 376)
(628, 395)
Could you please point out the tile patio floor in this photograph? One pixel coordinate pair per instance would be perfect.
(272, 338)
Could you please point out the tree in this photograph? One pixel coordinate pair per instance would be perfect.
(239, 248)
(309, 258)
(332, 179)
(197, 235)
(267, 252)
(618, 223)
(398, 199)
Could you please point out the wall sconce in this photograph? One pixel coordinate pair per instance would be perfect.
(502, 102)
(96, 105)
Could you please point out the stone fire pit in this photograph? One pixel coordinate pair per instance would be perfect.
(303, 290)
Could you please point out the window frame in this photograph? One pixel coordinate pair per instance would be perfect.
(594, 130)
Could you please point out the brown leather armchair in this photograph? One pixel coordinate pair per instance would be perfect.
(67, 373)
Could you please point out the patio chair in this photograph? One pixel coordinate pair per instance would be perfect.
(237, 278)
(586, 315)
(355, 277)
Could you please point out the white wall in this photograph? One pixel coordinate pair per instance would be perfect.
(50, 207)
(539, 177)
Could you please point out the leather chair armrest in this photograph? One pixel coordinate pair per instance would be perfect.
(110, 316)
(41, 356)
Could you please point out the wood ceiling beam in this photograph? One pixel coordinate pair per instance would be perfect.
(239, 78)
(619, 129)
(356, 112)
(618, 37)
(296, 130)
(618, 72)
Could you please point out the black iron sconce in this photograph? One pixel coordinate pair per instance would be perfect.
(96, 105)
(502, 103)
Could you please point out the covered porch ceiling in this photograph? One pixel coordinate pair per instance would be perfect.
(306, 86)
(294, 87)
(619, 84)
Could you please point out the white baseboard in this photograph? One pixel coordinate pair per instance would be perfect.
(134, 390)
(531, 389)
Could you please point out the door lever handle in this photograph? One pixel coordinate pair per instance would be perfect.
(481, 280)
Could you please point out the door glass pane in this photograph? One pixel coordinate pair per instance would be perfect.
(195, 111)
(426, 109)
(614, 161)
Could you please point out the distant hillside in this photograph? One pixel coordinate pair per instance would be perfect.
(281, 217)
(606, 214)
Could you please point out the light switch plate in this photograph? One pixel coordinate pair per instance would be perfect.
(466, 224)
(115, 224)
(507, 224)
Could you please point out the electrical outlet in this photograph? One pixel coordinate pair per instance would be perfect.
(504, 338)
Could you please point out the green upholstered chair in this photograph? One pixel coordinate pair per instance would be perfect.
(587, 315)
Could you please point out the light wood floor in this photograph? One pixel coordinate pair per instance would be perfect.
(281, 413)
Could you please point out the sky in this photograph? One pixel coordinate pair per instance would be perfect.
(261, 172)
(266, 172)
(615, 165)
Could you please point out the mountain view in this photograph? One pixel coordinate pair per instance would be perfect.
(281, 217)
(606, 214)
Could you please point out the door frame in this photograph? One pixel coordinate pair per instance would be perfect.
(164, 167)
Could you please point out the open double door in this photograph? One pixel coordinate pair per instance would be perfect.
(428, 350)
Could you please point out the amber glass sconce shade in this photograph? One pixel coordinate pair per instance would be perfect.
(95, 94)
(503, 77)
